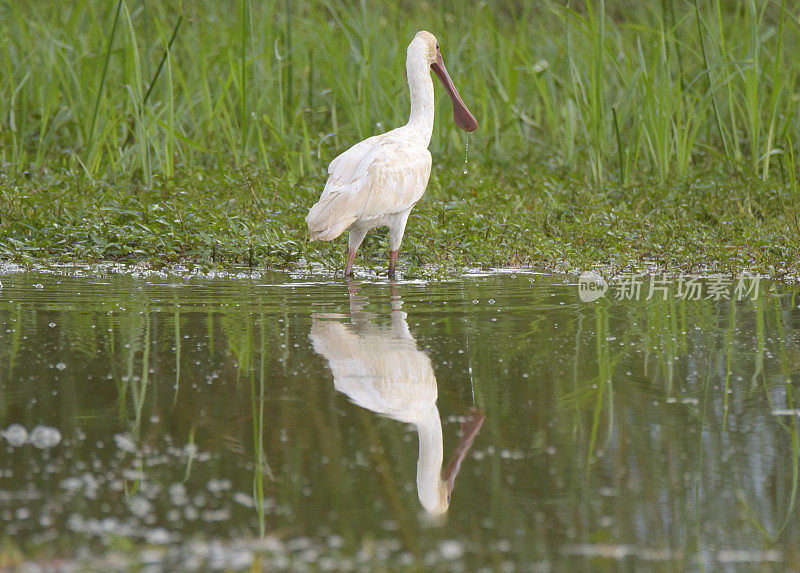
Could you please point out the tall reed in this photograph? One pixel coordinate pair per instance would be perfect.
(629, 90)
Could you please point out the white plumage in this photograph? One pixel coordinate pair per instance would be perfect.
(381, 369)
(378, 181)
(374, 183)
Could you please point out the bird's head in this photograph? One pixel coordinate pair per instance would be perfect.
(425, 43)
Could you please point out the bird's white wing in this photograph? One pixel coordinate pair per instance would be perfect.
(376, 369)
(352, 165)
(381, 175)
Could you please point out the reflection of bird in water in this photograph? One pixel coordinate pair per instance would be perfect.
(381, 369)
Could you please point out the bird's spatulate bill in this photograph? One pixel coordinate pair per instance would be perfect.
(462, 116)
(469, 430)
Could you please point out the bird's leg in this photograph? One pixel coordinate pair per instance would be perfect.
(356, 236)
(392, 262)
(396, 230)
(351, 258)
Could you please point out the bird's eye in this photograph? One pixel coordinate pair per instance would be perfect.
(437, 46)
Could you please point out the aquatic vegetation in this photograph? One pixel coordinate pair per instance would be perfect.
(244, 218)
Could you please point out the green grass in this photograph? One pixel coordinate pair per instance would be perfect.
(604, 126)
(286, 85)
(485, 218)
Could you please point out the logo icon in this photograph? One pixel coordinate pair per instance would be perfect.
(591, 286)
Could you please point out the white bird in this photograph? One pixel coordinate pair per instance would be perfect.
(378, 181)
(382, 370)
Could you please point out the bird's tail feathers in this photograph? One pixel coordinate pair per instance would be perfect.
(328, 219)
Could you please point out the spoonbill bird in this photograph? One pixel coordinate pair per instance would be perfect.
(381, 369)
(378, 181)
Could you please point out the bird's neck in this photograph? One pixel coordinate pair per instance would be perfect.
(431, 455)
(422, 104)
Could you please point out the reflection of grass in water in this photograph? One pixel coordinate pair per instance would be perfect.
(177, 321)
(664, 336)
(386, 473)
(130, 334)
(138, 386)
(311, 419)
(659, 329)
(134, 332)
(191, 450)
(729, 353)
(260, 463)
(704, 407)
(790, 427)
(245, 354)
(604, 383)
(790, 403)
(714, 349)
(16, 337)
(758, 371)
(240, 341)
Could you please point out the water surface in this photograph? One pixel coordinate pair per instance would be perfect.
(495, 420)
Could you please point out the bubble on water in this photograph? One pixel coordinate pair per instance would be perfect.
(139, 506)
(72, 484)
(219, 485)
(210, 515)
(240, 559)
(61, 366)
(150, 489)
(16, 435)
(44, 437)
(158, 536)
(177, 494)
(243, 499)
(335, 541)
(38, 286)
(125, 443)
